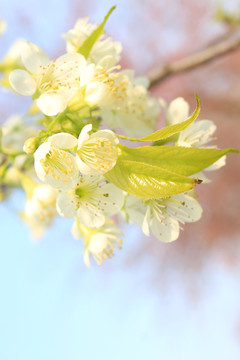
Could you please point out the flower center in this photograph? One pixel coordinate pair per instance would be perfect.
(98, 154)
(58, 164)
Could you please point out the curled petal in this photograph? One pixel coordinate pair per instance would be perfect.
(63, 141)
(109, 134)
(22, 82)
(85, 169)
(84, 134)
(40, 154)
(33, 57)
(178, 111)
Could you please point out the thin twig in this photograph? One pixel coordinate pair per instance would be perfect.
(194, 60)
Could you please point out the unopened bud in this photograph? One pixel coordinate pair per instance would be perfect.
(31, 145)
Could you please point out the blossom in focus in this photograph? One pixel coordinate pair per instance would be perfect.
(98, 243)
(105, 50)
(52, 83)
(92, 199)
(96, 153)
(162, 216)
(54, 163)
(94, 88)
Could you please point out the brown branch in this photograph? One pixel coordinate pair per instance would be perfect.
(194, 60)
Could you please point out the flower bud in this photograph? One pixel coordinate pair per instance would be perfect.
(31, 145)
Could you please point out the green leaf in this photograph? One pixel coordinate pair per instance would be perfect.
(168, 130)
(88, 43)
(181, 160)
(147, 181)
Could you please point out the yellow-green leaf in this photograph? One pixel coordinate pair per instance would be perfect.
(88, 43)
(168, 131)
(147, 181)
(181, 160)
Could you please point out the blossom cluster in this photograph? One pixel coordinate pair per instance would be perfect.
(67, 156)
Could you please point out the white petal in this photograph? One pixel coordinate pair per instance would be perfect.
(109, 134)
(64, 183)
(40, 154)
(178, 111)
(45, 193)
(218, 164)
(90, 216)
(112, 199)
(56, 176)
(165, 231)
(63, 141)
(32, 208)
(185, 208)
(83, 136)
(197, 134)
(51, 103)
(68, 59)
(135, 210)
(84, 169)
(87, 74)
(65, 205)
(86, 257)
(98, 243)
(22, 82)
(75, 231)
(146, 223)
(33, 56)
(97, 93)
(107, 62)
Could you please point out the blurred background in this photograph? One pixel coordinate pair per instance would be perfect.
(153, 300)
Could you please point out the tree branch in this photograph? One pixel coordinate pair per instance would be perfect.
(194, 60)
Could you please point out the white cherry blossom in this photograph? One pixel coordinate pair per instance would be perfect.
(94, 89)
(52, 83)
(15, 131)
(92, 199)
(98, 243)
(198, 134)
(54, 163)
(40, 209)
(96, 153)
(162, 216)
(131, 108)
(104, 49)
(176, 112)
